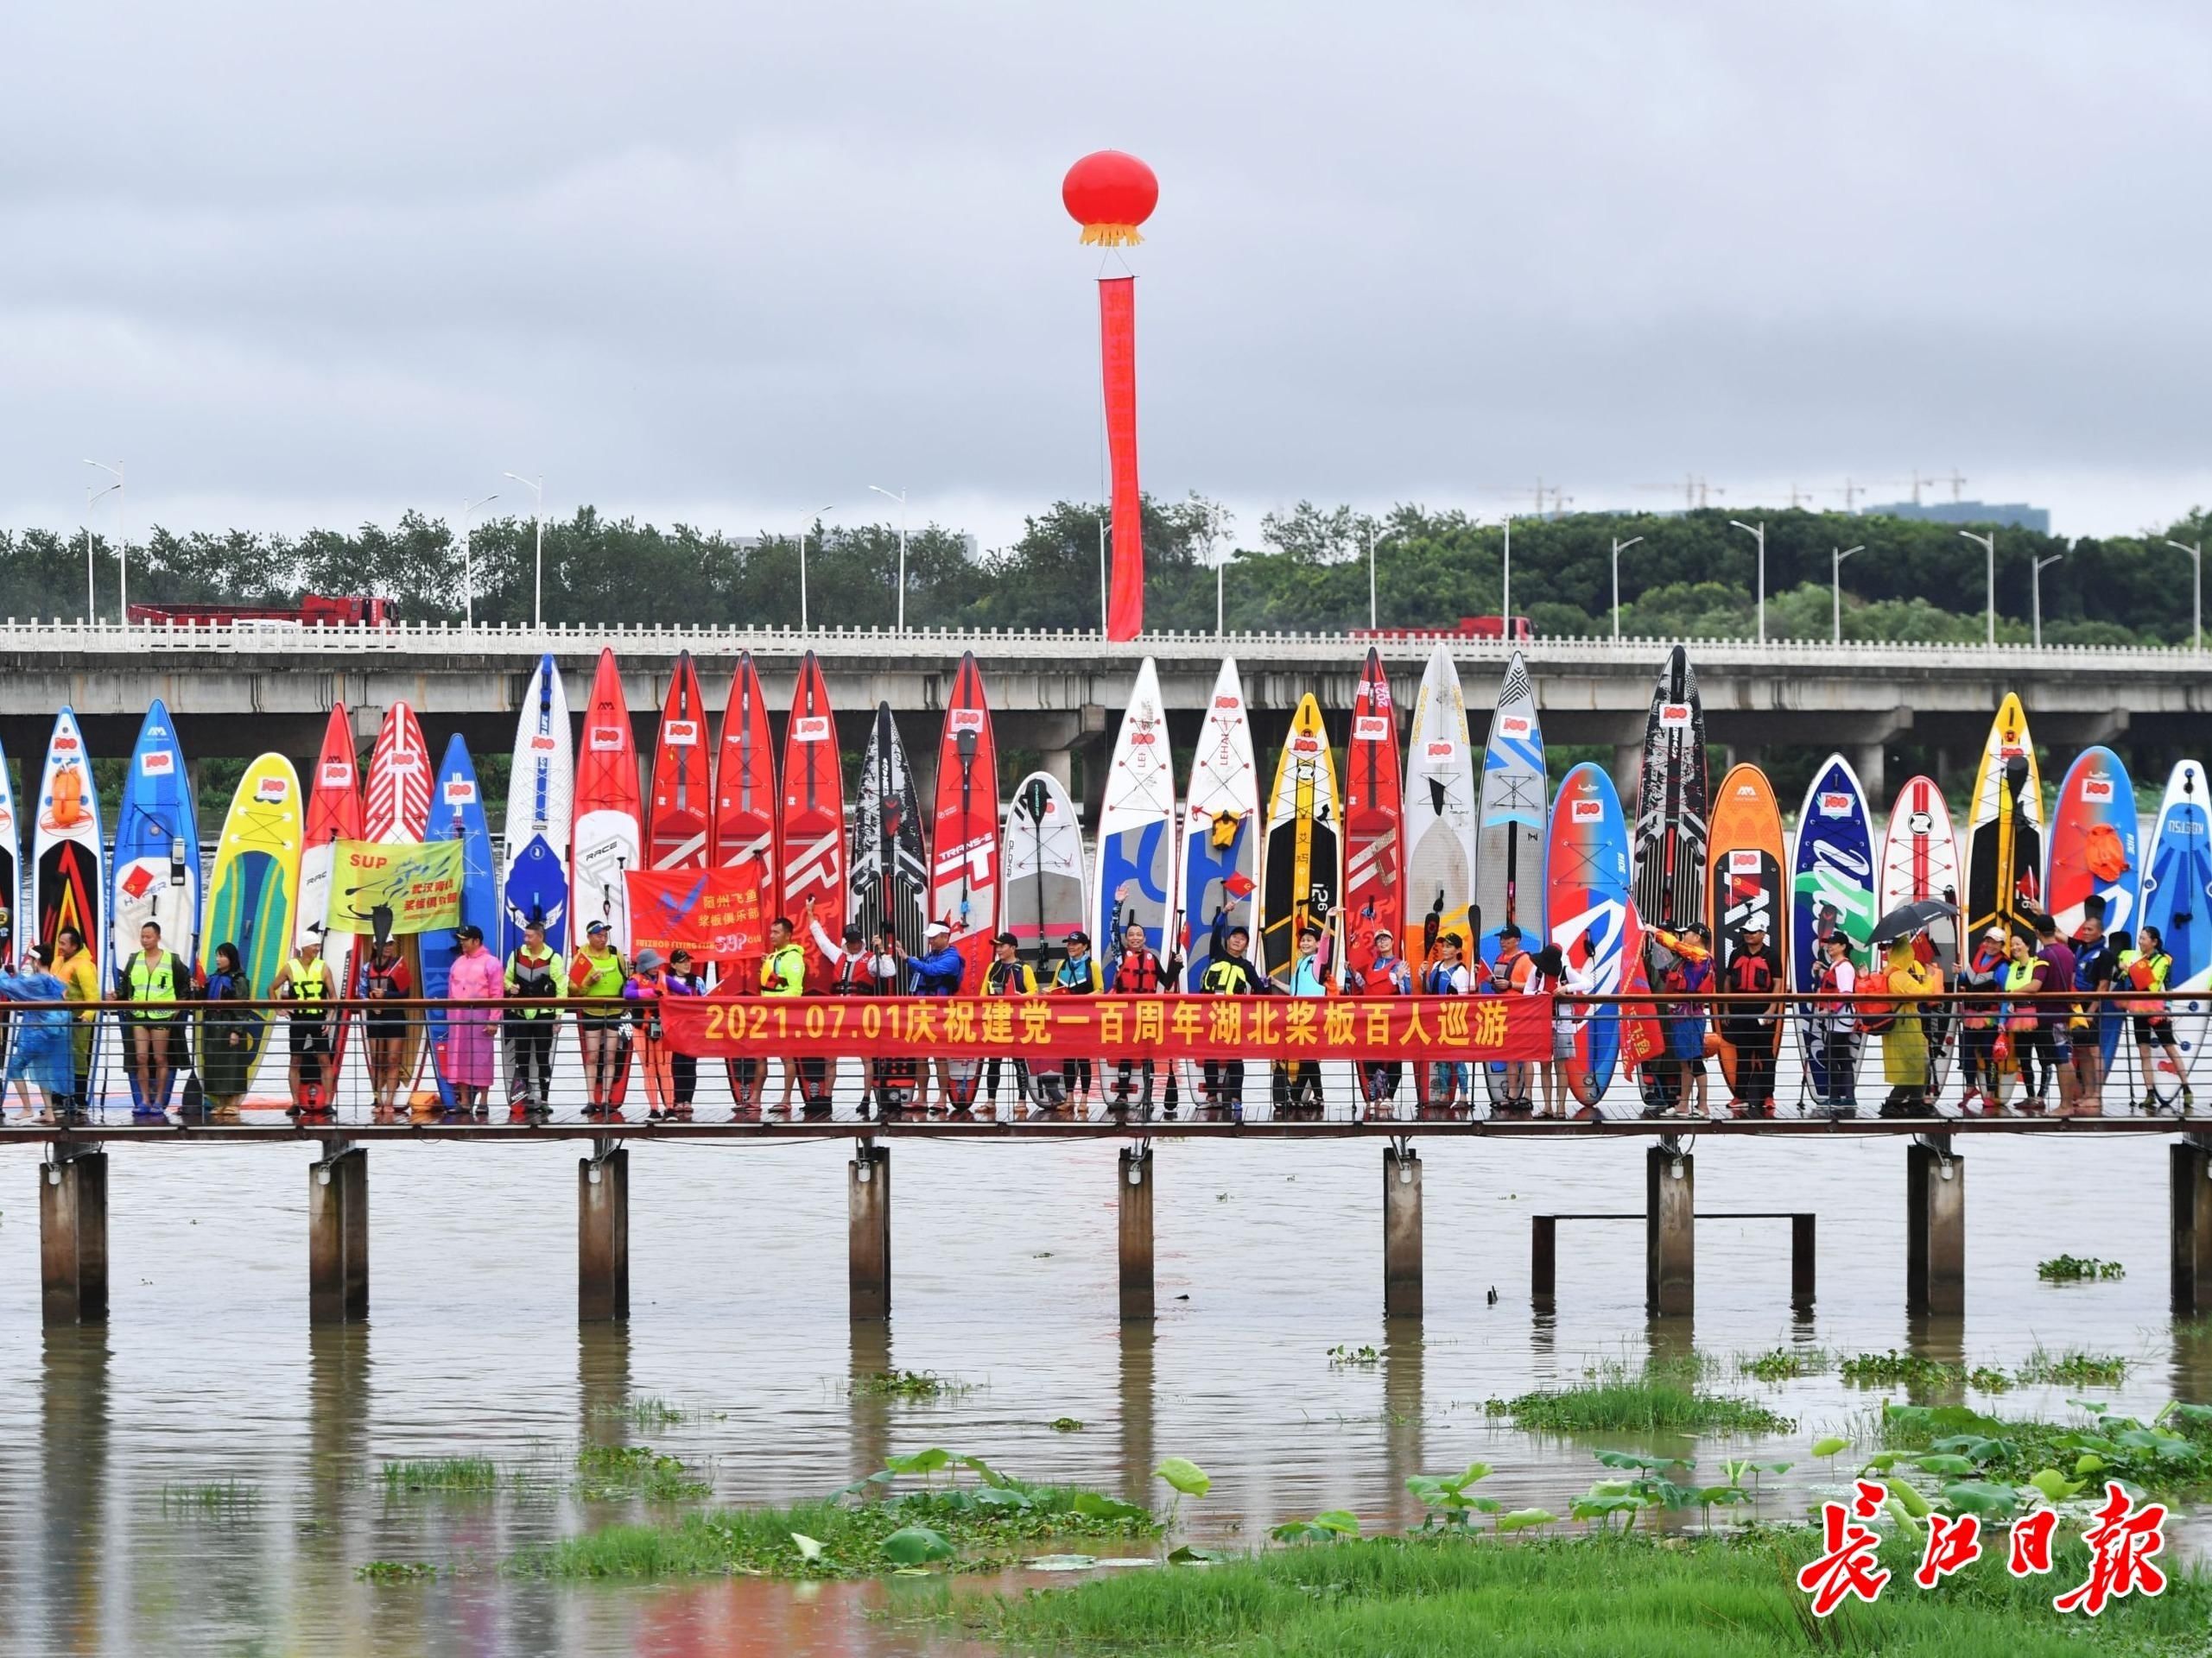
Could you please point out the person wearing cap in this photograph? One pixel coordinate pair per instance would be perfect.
(304, 981)
(1385, 974)
(936, 971)
(1551, 974)
(1751, 1026)
(1297, 1084)
(596, 978)
(1007, 975)
(1508, 975)
(532, 987)
(1445, 976)
(2144, 966)
(475, 976)
(1138, 971)
(1980, 977)
(856, 968)
(1835, 1027)
(784, 973)
(386, 980)
(654, 980)
(1229, 971)
(1077, 974)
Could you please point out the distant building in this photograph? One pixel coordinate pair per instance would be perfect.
(2013, 515)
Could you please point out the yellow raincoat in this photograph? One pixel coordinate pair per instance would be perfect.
(1905, 1044)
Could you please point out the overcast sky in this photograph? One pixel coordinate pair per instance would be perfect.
(728, 263)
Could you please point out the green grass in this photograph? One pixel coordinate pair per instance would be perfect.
(650, 1414)
(443, 1474)
(1598, 1598)
(1615, 1398)
(610, 1472)
(222, 1497)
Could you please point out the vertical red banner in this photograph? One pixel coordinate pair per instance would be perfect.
(1117, 356)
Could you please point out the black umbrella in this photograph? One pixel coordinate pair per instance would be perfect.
(1908, 919)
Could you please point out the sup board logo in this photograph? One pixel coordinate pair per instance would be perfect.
(810, 728)
(1442, 751)
(161, 762)
(605, 739)
(1231, 703)
(137, 883)
(338, 773)
(460, 791)
(964, 719)
(1743, 863)
(1920, 824)
(1370, 728)
(271, 791)
(1835, 803)
(1303, 744)
(680, 733)
(1513, 726)
(1586, 811)
(1141, 740)
(1674, 716)
(65, 742)
(2098, 788)
(541, 743)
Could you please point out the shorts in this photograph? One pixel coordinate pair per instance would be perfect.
(310, 1036)
(2153, 1028)
(602, 1021)
(1692, 1068)
(1562, 1044)
(385, 1024)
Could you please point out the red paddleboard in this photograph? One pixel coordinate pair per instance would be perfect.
(1374, 893)
(964, 872)
(609, 835)
(333, 814)
(812, 823)
(399, 813)
(742, 834)
(677, 820)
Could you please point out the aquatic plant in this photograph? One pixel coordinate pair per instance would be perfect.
(1786, 1364)
(1616, 1399)
(443, 1474)
(394, 1572)
(650, 1413)
(909, 1384)
(2074, 1368)
(1342, 1356)
(606, 1472)
(2079, 1269)
(222, 1497)
(2169, 1456)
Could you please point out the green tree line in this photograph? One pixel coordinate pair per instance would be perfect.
(1690, 575)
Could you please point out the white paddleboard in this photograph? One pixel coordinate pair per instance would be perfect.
(541, 800)
(1136, 827)
(1221, 840)
(1048, 882)
(1440, 813)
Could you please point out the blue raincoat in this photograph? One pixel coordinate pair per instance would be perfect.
(38, 1050)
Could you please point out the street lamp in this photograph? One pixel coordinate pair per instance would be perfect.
(901, 498)
(2035, 586)
(468, 566)
(819, 512)
(1505, 586)
(1988, 544)
(122, 551)
(1835, 589)
(91, 599)
(537, 517)
(1373, 541)
(1758, 534)
(2196, 600)
(1619, 546)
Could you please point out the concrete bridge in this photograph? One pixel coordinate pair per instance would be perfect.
(241, 692)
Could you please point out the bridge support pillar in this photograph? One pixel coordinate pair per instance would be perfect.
(868, 1212)
(1670, 1232)
(337, 1235)
(2192, 1226)
(73, 1238)
(1935, 1227)
(1401, 1232)
(1136, 1189)
(1628, 774)
(1059, 764)
(1866, 759)
(603, 1234)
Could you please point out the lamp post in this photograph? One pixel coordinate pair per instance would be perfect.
(1373, 541)
(1505, 586)
(1220, 564)
(2034, 588)
(537, 517)
(468, 566)
(819, 512)
(93, 493)
(1836, 589)
(901, 498)
(1759, 533)
(1619, 546)
(2196, 591)
(122, 550)
(1988, 545)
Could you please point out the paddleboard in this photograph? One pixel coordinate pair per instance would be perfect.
(2177, 900)
(2094, 853)
(2003, 862)
(1831, 887)
(67, 890)
(679, 813)
(889, 860)
(609, 835)
(1744, 879)
(811, 830)
(1510, 820)
(11, 879)
(1920, 864)
(1047, 889)
(1591, 918)
(963, 830)
(1136, 877)
(1672, 805)
(333, 813)
(1440, 815)
(1303, 867)
(156, 866)
(741, 829)
(253, 888)
(1218, 875)
(398, 815)
(541, 802)
(1375, 810)
(457, 813)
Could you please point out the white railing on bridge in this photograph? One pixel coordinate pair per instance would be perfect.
(1074, 647)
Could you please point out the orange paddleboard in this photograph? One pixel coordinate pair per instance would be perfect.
(1746, 876)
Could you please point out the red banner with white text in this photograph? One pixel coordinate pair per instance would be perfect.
(1425, 1028)
(714, 914)
(1117, 356)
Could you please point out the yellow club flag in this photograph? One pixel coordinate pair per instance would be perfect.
(377, 889)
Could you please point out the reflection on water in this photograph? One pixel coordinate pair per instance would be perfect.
(208, 1374)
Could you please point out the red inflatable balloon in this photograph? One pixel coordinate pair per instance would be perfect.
(1110, 193)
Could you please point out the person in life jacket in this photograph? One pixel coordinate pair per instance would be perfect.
(1835, 1028)
(1981, 1073)
(152, 976)
(1908, 981)
(1298, 1082)
(1552, 975)
(596, 976)
(533, 1015)
(304, 981)
(1077, 974)
(1137, 972)
(1386, 974)
(1509, 976)
(385, 982)
(1446, 975)
(857, 968)
(1684, 969)
(650, 984)
(1754, 1028)
(1228, 971)
(784, 973)
(79, 975)
(1008, 975)
(2145, 970)
(936, 971)
(2096, 969)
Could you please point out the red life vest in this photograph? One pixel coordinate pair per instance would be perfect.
(1137, 974)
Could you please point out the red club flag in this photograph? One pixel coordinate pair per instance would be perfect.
(714, 914)
(1117, 354)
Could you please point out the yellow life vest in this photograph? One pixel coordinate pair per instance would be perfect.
(155, 983)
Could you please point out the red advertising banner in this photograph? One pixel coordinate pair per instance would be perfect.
(714, 914)
(1117, 356)
(1428, 1028)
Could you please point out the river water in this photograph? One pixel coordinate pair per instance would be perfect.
(1270, 1255)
